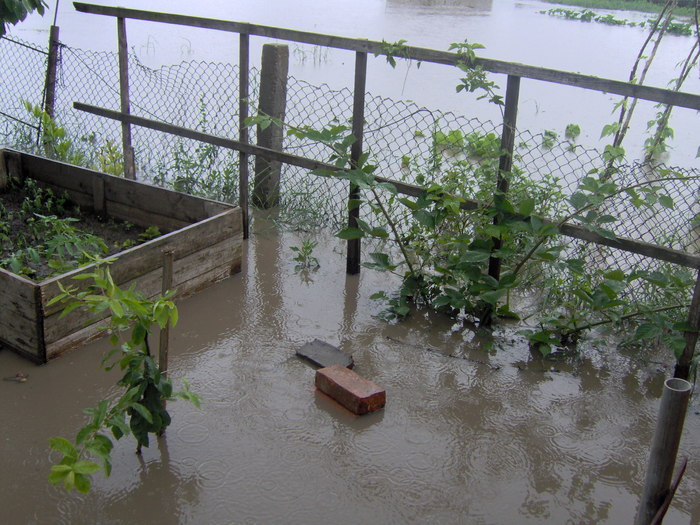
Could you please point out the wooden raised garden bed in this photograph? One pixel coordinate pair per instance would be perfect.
(205, 237)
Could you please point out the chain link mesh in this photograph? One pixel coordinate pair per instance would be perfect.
(408, 143)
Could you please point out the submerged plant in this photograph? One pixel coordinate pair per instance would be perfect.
(304, 255)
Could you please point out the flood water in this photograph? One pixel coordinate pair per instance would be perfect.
(475, 430)
(512, 30)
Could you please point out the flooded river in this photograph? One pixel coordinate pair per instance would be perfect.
(513, 30)
(474, 431)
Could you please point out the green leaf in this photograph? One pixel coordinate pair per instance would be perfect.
(381, 262)
(526, 207)
(63, 446)
(647, 331)
(475, 256)
(492, 297)
(666, 201)
(350, 233)
(86, 467)
(143, 411)
(82, 483)
(58, 473)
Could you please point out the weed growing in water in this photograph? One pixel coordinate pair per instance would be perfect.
(304, 255)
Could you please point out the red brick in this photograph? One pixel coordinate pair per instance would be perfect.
(357, 394)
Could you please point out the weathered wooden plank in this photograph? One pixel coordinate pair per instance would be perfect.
(75, 339)
(92, 332)
(617, 87)
(19, 313)
(123, 52)
(190, 274)
(157, 200)
(141, 259)
(243, 135)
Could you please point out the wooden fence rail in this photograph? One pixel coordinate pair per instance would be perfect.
(570, 230)
(627, 89)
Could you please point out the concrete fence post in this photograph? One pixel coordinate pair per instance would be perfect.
(273, 102)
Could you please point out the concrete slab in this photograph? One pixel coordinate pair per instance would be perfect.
(323, 354)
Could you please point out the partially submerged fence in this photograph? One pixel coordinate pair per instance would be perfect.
(362, 48)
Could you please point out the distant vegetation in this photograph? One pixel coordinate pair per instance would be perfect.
(685, 7)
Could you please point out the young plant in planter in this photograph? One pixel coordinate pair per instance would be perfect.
(141, 408)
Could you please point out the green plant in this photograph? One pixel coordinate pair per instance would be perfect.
(397, 49)
(549, 138)
(475, 79)
(140, 410)
(452, 140)
(304, 255)
(443, 253)
(110, 159)
(201, 169)
(14, 11)
(572, 131)
(54, 139)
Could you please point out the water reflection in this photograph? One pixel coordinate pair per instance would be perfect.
(494, 436)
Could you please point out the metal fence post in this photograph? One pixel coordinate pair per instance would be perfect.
(667, 437)
(243, 94)
(505, 163)
(358, 124)
(682, 369)
(127, 148)
(273, 102)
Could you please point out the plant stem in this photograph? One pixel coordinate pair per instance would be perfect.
(622, 318)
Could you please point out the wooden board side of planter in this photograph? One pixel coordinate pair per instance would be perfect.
(120, 198)
(21, 328)
(204, 253)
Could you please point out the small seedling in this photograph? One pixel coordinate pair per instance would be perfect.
(304, 255)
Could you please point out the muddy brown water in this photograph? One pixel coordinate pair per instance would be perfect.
(489, 435)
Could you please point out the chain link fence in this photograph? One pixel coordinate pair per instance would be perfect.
(407, 142)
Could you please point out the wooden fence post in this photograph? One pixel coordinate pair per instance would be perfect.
(51, 67)
(273, 102)
(505, 163)
(358, 124)
(127, 148)
(167, 284)
(667, 437)
(682, 369)
(244, 135)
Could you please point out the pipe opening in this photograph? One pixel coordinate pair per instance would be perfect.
(677, 385)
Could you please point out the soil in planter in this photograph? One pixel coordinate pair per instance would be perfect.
(44, 234)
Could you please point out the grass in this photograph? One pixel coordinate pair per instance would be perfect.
(624, 5)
